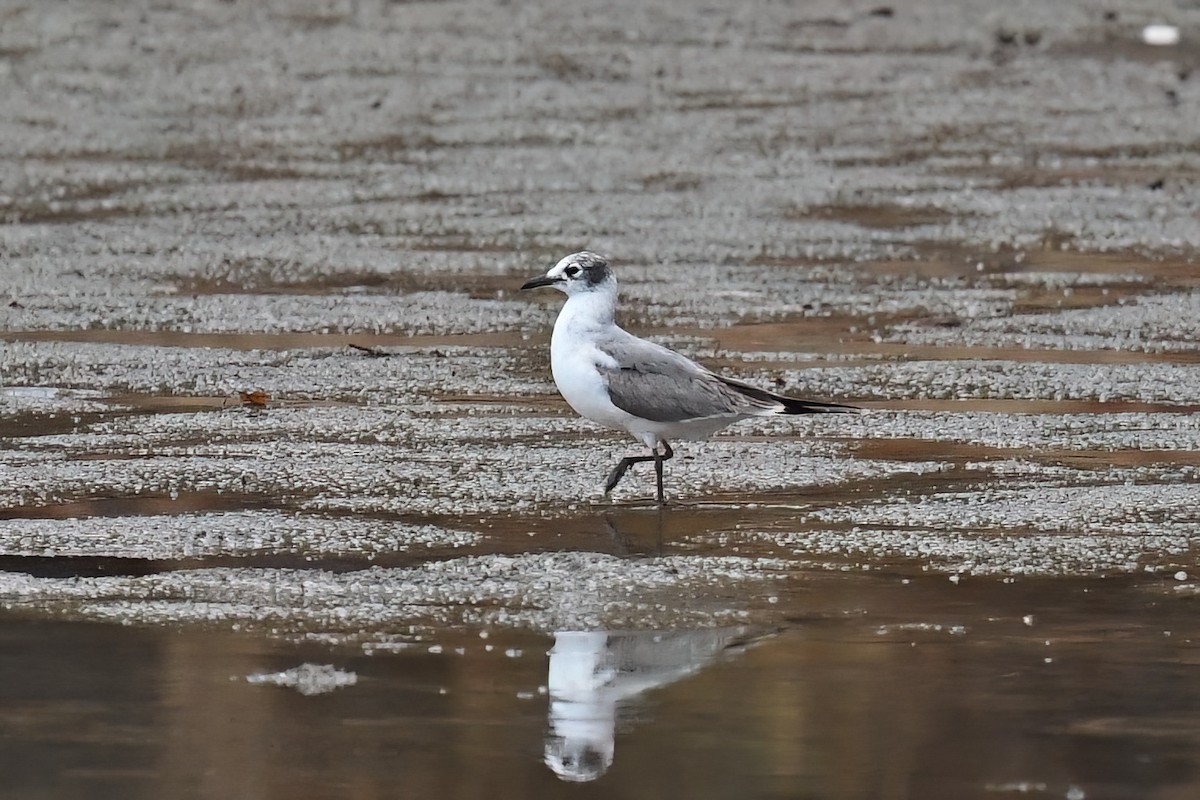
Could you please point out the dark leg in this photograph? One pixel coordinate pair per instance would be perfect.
(618, 472)
(624, 464)
(659, 458)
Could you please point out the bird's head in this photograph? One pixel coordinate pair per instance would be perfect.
(576, 274)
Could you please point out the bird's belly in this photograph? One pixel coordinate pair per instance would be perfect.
(695, 429)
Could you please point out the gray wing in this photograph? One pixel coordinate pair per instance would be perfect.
(661, 385)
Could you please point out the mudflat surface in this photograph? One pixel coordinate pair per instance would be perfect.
(268, 394)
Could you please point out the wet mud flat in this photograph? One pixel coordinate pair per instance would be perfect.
(277, 432)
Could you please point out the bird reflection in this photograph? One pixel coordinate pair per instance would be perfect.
(594, 674)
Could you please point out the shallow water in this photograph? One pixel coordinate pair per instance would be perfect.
(274, 416)
(870, 685)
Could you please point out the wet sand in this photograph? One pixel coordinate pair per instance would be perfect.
(268, 395)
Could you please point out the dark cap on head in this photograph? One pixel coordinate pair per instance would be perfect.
(594, 266)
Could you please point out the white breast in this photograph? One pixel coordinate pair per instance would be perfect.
(574, 360)
(581, 384)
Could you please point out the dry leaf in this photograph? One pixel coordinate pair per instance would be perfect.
(257, 398)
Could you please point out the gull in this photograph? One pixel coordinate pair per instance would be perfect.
(612, 377)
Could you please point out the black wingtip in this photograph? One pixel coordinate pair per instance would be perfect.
(792, 405)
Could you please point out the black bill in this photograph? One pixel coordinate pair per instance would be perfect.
(534, 283)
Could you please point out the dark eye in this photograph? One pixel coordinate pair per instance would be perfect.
(571, 271)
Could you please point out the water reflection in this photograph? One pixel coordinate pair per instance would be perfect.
(865, 692)
(594, 675)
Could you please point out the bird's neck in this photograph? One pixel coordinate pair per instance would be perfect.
(587, 310)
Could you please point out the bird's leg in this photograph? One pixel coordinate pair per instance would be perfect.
(618, 472)
(659, 458)
(624, 464)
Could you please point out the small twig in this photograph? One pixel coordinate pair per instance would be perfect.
(373, 352)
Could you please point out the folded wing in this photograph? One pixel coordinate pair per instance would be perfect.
(658, 384)
(654, 383)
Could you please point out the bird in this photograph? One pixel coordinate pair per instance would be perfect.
(613, 378)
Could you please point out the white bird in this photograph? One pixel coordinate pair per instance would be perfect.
(612, 377)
